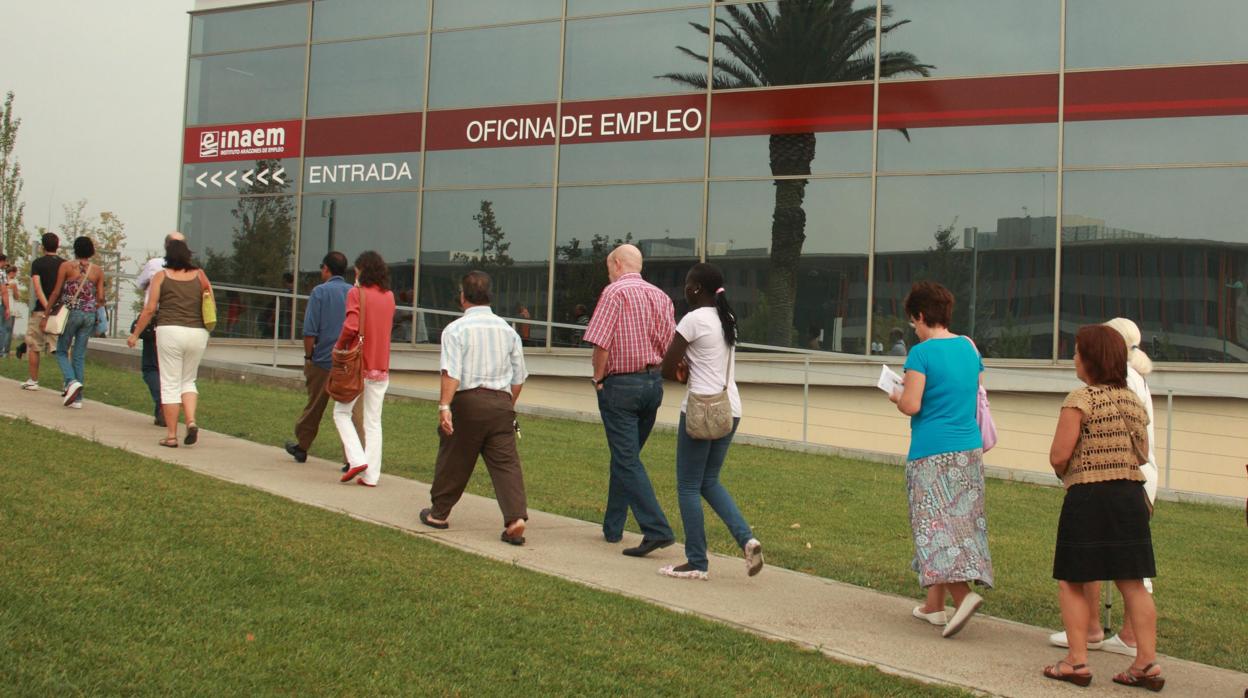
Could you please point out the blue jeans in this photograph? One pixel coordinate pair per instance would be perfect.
(151, 371)
(698, 463)
(628, 404)
(6, 334)
(71, 346)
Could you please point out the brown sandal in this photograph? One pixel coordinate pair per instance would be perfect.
(1055, 672)
(169, 443)
(1140, 678)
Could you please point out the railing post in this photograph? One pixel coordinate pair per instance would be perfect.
(1169, 432)
(805, 395)
(277, 323)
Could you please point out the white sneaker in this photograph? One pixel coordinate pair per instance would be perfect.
(935, 618)
(753, 556)
(970, 604)
(30, 385)
(1116, 645)
(75, 405)
(1059, 640)
(72, 392)
(684, 572)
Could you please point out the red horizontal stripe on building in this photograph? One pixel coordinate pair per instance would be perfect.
(1206, 90)
(792, 110)
(449, 129)
(234, 142)
(363, 135)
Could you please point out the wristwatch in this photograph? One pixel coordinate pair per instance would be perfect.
(597, 381)
(444, 408)
(307, 357)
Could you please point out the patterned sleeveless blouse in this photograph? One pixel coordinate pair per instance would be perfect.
(82, 300)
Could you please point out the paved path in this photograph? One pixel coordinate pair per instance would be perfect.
(845, 622)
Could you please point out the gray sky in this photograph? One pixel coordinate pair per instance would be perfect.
(99, 90)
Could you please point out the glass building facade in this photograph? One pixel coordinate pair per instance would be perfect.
(1053, 162)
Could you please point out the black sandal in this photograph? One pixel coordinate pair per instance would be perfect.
(1055, 672)
(424, 519)
(1140, 678)
(192, 434)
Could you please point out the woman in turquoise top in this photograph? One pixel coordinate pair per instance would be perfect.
(945, 465)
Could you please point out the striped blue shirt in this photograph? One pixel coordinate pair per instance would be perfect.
(480, 350)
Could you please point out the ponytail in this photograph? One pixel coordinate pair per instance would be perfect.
(726, 317)
(709, 277)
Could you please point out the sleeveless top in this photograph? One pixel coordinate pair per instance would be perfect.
(85, 300)
(181, 303)
(1104, 450)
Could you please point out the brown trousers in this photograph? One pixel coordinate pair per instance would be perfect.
(483, 427)
(309, 423)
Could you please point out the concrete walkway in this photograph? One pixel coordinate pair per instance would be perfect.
(845, 622)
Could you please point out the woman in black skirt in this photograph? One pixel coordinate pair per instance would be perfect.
(1103, 532)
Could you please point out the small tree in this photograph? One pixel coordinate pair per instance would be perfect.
(13, 234)
(493, 247)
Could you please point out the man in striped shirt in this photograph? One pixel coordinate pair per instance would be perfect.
(630, 330)
(482, 374)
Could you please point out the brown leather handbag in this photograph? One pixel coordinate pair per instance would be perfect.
(346, 376)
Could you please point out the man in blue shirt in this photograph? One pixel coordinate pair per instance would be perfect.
(322, 323)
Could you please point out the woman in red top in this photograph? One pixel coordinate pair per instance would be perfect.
(372, 284)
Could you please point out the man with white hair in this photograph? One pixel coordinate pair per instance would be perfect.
(150, 367)
(630, 330)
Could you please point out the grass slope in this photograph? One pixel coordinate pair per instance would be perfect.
(834, 517)
(129, 576)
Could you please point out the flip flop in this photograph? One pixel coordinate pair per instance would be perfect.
(168, 443)
(424, 519)
(192, 434)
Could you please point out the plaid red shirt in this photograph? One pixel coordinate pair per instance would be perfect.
(634, 321)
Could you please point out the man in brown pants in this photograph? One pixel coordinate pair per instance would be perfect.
(482, 374)
(322, 323)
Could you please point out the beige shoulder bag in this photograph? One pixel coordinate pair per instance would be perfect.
(709, 417)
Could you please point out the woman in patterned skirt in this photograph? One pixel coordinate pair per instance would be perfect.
(945, 465)
(1103, 533)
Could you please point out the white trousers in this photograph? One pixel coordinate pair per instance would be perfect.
(374, 397)
(179, 351)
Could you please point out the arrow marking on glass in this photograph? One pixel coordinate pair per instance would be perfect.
(247, 176)
(277, 176)
(261, 177)
(229, 178)
(216, 179)
(200, 180)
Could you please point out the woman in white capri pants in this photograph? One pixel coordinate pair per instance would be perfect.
(180, 336)
(372, 291)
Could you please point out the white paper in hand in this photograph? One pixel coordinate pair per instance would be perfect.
(889, 381)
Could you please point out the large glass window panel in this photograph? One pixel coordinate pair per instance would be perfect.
(1157, 141)
(234, 30)
(240, 177)
(787, 46)
(246, 87)
(348, 19)
(490, 166)
(989, 238)
(826, 305)
(833, 152)
(363, 77)
(467, 13)
(593, 7)
(246, 241)
(663, 220)
(353, 223)
(504, 65)
(1165, 248)
(975, 37)
(633, 55)
(513, 227)
(968, 147)
(599, 162)
(1102, 33)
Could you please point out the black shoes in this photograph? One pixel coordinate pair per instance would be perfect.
(647, 547)
(300, 455)
(160, 419)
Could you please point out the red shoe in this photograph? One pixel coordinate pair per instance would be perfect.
(352, 472)
(366, 484)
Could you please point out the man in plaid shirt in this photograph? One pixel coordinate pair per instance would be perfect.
(631, 327)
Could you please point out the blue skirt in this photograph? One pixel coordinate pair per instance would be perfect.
(947, 518)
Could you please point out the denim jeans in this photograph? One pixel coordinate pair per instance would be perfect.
(151, 371)
(628, 404)
(6, 334)
(71, 346)
(698, 463)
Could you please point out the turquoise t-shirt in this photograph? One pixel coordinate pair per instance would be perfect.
(946, 419)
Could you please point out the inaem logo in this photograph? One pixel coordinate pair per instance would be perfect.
(208, 144)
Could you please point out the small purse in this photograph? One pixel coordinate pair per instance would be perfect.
(983, 414)
(346, 375)
(709, 417)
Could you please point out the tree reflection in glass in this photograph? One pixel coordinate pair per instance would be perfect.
(263, 239)
(794, 42)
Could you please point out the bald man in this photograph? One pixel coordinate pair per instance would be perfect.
(630, 329)
(151, 369)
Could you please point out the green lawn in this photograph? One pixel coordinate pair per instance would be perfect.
(124, 575)
(834, 517)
